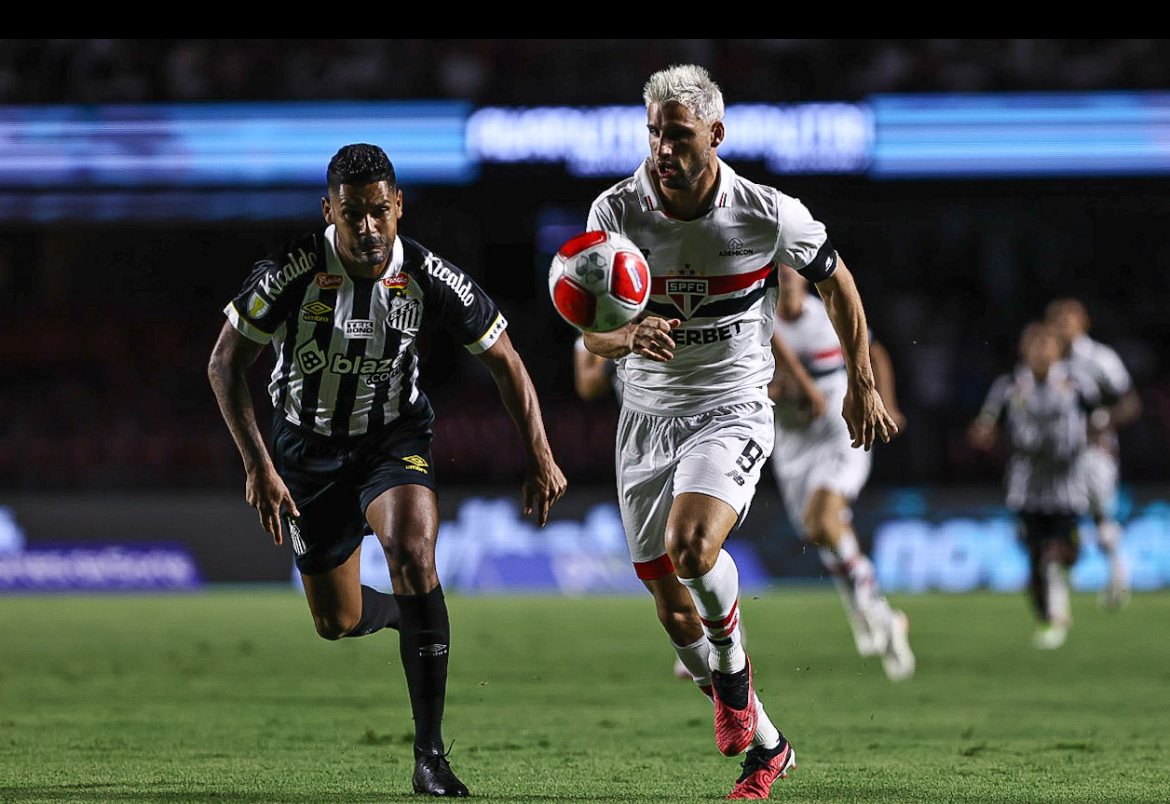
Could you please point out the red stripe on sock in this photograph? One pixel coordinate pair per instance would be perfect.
(655, 568)
(723, 624)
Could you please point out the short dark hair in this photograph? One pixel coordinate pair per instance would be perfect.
(359, 164)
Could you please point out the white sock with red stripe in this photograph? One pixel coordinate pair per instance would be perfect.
(696, 658)
(716, 596)
(854, 576)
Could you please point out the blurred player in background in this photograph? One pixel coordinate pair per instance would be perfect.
(341, 308)
(1120, 405)
(696, 424)
(1043, 406)
(593, 376)
(820, 474)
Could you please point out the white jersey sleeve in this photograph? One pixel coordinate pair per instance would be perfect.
(801, 241)
(601, 218)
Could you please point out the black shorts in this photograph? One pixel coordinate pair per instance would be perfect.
(1041, 527)
(333, 481)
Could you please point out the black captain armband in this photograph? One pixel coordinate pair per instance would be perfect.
(822, 266)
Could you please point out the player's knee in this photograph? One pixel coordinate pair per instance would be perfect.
(415, 559)
(693, 549)
(822, 530)
(415, 571)
(334, 626)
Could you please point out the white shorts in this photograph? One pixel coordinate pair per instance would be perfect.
(1098, 471)
(816, 456)
(718, 453)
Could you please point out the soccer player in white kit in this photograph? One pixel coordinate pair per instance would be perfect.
(1121, 405)
(696, 424)
(819, 474)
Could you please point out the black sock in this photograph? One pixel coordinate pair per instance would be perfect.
(379, 610)
(424, 643)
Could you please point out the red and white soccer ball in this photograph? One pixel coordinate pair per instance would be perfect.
(599, 281)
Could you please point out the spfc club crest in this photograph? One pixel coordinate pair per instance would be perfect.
(687, 293)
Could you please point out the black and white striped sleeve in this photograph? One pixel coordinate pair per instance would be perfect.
(462, 308)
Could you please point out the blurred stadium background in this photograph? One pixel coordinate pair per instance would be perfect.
(965, 182)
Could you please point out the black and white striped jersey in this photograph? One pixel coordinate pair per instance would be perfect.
(1045, 423)
(346, 361)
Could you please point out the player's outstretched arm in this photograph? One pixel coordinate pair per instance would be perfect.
(1127, 410)
(649, 338)
(590, 374)
(982, 434)
(227, 371)
(544, 482)
(883, 374)
(864, 411)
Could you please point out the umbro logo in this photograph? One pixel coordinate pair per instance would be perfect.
(417, 463)
(316, 311)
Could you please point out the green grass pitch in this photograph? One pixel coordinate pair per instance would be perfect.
(229, 697)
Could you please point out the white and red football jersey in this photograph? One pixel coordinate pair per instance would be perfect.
(717, 274)
(812, 338)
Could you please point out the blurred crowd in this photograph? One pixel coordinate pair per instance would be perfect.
(104, 333)
(541, 71)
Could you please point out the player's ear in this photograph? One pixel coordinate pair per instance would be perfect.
(717, 133)
(327, 210)
(398, 203)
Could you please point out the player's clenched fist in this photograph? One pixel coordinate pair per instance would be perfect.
(651, 339)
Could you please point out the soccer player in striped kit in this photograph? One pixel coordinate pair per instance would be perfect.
(696, 423)
(1120, 406)
(819, 474)
(1043, 408)
(351, 443)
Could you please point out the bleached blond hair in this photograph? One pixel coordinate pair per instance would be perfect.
(688, 85)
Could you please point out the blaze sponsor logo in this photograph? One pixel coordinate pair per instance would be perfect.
(317, 311)
(257, 305)
(310, 357)
(432, 651)
(340, 364)
(456, 280)
(328, 281)
(736, 248)
(416, 463)
(359, 328)
(688, 294)
(698, 335)
(299, 263)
